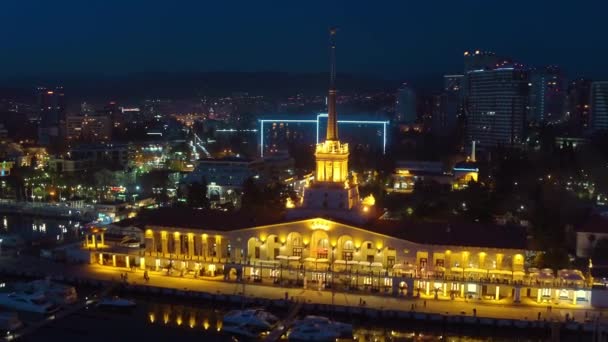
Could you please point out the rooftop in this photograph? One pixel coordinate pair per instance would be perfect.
(434, 233)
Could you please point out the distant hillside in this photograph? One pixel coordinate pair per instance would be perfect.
(192, 84)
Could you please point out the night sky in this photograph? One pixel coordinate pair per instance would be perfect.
(384, 38)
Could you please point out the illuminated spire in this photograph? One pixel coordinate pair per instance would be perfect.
(332, 120)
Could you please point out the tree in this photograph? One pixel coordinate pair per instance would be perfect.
(197, 195)
(600, 252)
(251, 195)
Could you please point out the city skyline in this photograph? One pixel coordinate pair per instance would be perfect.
(395, 40)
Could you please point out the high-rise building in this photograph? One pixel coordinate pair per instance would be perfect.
(480, 60)
(447, 105)
(405, 105)
(52, 107)
(547, 95)
(599, 105)
(495, 105)
(88, 128)
(578, 96)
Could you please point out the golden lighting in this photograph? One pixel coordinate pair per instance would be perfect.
(206, 324)
(165, 317)
(369, 200)
(403, 172)
(320, 225)
(263, 237)
(379, 245)
(219, 325)
(205, 236)
(192, 321)
(179, 320)
(365, 208)
(289, 204)
(151, 317)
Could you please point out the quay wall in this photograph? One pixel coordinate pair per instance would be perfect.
(314, 308)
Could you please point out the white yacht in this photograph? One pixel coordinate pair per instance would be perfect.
(56, 293)
(35, 302)
(116, 302)
(254, 318)
(9, 321)
(343, 329)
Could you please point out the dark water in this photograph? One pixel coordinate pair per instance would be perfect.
(34, 230)
(166, 319)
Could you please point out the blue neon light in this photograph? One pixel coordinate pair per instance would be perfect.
(316, 122)
(465, 169)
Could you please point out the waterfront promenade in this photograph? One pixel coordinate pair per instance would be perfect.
(527, 310)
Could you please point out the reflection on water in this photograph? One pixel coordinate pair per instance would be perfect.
(185, 316)
(39, 229)
(210, 320)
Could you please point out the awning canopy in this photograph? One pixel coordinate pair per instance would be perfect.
(294, 258)
(309, 259)
(282, 257)
(340, 262)
(322, 260)
(352, 262)
(376, 264)
(364, 263)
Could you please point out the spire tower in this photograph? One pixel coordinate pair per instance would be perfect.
(332, 119)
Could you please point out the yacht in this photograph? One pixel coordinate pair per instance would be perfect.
(56, 293)
(244, 330)
(35, 302)
(312, 332)
(343, 329)
(255, 318)
(9, 321)
(116, 303)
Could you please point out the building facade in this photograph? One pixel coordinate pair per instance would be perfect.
(599, 105)
(405, 105)
(546, 96)
(495, 107)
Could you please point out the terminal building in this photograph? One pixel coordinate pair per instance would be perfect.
(334, 240)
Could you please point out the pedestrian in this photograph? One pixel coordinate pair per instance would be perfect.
(286, 295)
(360, 301)
(424, 304)
(474, 312)
(412, 307)
(539, 315)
